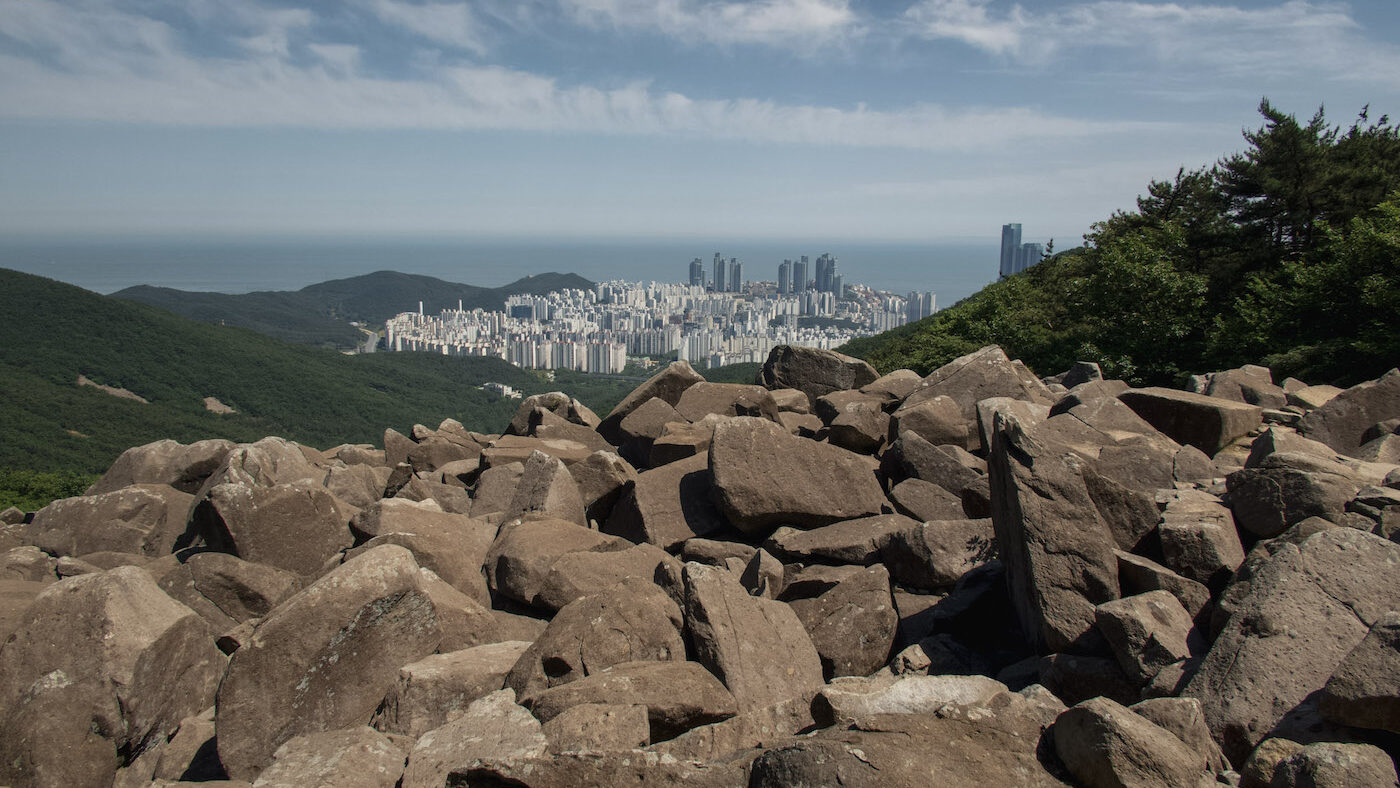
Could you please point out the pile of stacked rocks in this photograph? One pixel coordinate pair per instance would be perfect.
(974, 578)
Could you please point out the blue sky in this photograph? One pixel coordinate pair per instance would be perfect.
(905, 120)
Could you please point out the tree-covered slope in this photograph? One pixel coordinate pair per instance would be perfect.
(1286, 254)
(321, 314)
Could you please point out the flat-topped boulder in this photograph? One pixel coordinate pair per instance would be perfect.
(146, 519)
(814, 371)
(1208, 423)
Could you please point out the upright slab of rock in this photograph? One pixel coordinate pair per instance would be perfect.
(1058, 552)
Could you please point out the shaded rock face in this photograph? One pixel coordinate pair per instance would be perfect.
(1208, 423)
(1342, 422)
(814, 372)
(164, 462)
(296, 527)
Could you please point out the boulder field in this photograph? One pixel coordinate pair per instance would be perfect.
(977, 577)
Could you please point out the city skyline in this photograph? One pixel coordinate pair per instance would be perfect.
(837, 120)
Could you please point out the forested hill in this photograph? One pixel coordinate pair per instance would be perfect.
(53, 332)
(1288, 252)
(321, 314)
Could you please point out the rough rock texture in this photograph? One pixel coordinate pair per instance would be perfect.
(937, 553)
(678, 695)
(813, 371)
(440, 686)
(357, 758)
(1147, 632)
(668, 505)
(546, 489)
(99, 668)
(1334, 763)
(1058, 553)
(1105, 744)
(856, 541)
(757, 647)
(1364, 692)
(296, 527)
(726, 399)
(764, 477)
(667, 385)
(520, 560)
(493, 728)
(1342, 422)
(324, 659)
(1305, 608)
(164, 462)
(145, 519)
(975, 377)
(599, 727)
(1208, 423)
(853, 624)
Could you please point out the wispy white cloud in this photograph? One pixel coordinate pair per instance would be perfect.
(1299, 36)
(121, 67)
(451, 23)
(801, 23)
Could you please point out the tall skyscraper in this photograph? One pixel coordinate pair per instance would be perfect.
(920, 305)
(697, 272)
(1029, 255)
(822, 275)
(799, 275)
(1010, 248)
(721, 268)
(736, 275)
(785, 277)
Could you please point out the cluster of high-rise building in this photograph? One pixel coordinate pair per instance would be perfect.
(728, 274)
(792, 276)
(596, 330)
(1016, 256)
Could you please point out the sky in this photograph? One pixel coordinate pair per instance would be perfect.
(899, 120)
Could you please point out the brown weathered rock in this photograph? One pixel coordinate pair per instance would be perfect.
(950, 467)
(452, 545)
(27, 563)
(1147, 632)
(226, 590)
(599, 727)
(679, 440)
(895, 386)
(1074, 678)
(546, 489)
(791, 401)
(756, 646)
(1058, 552)
(434, 452)
(494, 727)
(854, 698)
(572, 769)
(860, 427)
(439, 686)
(164, 462)
(856, 541)
(463, 621)
(764, 477)
(1364, 692)
(974, 377)
(1342, 422)
(678, 695)
(515, 448)
(726, 399)
(556, 403)
(668, 505)
(1286, 489)
(1208, 423)
(853, 624)
(190, 754)
(578, 574)
(814, 371)
(99, 667)
(1305, 607)
(1138, 575)
(495, 489)
(638, 431)
(1250, 384)
(146, 519)
(1334, 763)
(520, 559)
(923, 501)
(325, 658)
(355, 757)
(632, 621)
(935, 554)
(1182, 717)
(1105, 744)
(296, 527)
(668, 385)
(939, 421)
(602, 478)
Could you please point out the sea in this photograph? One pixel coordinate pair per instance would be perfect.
(952, 269)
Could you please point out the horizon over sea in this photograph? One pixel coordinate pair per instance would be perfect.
(953, 269)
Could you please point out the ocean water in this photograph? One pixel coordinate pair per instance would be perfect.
(240, 265)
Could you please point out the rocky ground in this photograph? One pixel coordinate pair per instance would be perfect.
(974, 578)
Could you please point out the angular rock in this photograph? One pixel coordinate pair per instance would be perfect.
(1335, 763)
(164, 462)
(923, 500)
(191, 753)
(757, 647)
(571, 769)
(938, 420)
(515, 448)
(602, 478)
(296, 527)
(1249, 384)
(895, 386)
(578, 574)
(726, 399)
(856, 541)
(520, 559)
(356, 758)
(1183, 718)
(1286, 489)
(846, 699)
(146, 519)
(100, 667)
(324, 659)
(454, 546)
(679, 440)
(814, 371)
(678, 695)
(1305, 607)
(764, 477)
(495, 489)
(860, 427)
(546, 489)
(1058, 552)
(1105, 744)
(439, 686)
(974, 377)
(629, 622)
(937, 553)
(463, 621)
(227, 590)
(791, 401)
(668, 385)
(1147, 632)
(853, 624)
(494, 727)
(668, 505)
(1364, 692)
(556, 403)
(1208, 423)
(950, 467)
(638, 431)
(1138, 575)
(599, 727)
(1342, 422)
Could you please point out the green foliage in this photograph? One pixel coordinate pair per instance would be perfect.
(1285, 253)
(31, 491)
(746, 372)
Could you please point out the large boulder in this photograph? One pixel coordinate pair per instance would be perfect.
(757, 647)
(164, 462)
(813, 371)
(521, 558)
(937, 553)
(726, 399)
(100, 668)
(452, 545)
(858, 541)
(1304, 608)
(356, 758)
(1058, 552)
(765, 477)
(852, 624)
(546, 489)
(1343, 421)
(578, 574)
(1105, 744)
(678, 695)
(324, 659)
(668, 505)
(440, 686)
(146, 519)
(667, 385)
(494, 727)
(1146, 631)
(1326, 764)
(977, 376)
(297, 526)
(226, 590)
(1287, 488)
(1208, 423)
(1364, 692)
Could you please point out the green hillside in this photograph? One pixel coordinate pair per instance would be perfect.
(1286, 254)
(321, 314)
(55, 332)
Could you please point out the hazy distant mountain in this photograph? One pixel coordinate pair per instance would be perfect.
(320, 314)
